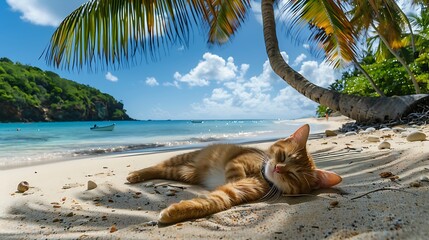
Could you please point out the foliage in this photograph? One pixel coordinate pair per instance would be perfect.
(29, 94)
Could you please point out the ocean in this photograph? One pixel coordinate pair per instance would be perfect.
(33, 143)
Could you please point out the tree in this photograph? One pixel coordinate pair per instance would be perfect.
(112, 31)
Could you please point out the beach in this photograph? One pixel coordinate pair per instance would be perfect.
(384, 195)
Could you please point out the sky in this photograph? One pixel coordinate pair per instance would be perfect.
(232, 81)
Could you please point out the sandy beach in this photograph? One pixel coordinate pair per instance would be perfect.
(384, 195)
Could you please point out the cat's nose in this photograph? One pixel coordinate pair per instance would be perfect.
(280, 168)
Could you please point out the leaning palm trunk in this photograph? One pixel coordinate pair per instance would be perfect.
(362, 109)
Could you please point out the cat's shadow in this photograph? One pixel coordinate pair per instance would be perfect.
(313, 196)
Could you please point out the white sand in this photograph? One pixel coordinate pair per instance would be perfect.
(58, 206)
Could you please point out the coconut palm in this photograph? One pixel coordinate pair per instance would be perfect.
(331, 29)
(386, 18)
(102, 32)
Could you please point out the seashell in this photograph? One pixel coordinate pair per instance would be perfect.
(384, 145)
(398, 130)
(372, 138)
(350, 133)
(23, 186)
(91, 185)
(330, 133)
(416, 136)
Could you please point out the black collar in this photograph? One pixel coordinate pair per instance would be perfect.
(263, 174)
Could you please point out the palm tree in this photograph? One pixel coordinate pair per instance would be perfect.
(386, 19)
(332, 30)
(113, 31)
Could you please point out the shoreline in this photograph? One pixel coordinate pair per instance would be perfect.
(333, 124)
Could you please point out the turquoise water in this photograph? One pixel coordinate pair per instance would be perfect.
(29, 143)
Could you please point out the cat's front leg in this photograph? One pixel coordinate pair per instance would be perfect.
(154, 172)
(223, 198)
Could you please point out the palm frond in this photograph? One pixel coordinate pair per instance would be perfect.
(114, 32)
(329, 27)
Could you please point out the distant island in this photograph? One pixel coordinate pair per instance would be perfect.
(29, 94)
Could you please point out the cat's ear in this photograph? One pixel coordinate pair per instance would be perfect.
(327, 179)
(301, 135)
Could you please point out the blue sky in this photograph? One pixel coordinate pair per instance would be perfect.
(233, 81)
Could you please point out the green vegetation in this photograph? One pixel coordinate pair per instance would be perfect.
(385, 69)
(29, 94)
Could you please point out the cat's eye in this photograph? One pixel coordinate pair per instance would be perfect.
(281, 156)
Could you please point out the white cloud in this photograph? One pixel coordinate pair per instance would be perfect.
(259, 95)
(44, 12)
(211, 68)
(320, 74)
(299, 59)
(109, 76)
(172, 84)
(151, 81)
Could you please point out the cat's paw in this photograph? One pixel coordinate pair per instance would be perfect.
(135, 177)
(172, 214)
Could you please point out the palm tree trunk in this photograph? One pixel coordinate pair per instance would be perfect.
(371, 81)
(401, 60)
(362, 109)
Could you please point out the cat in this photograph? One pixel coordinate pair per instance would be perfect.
(239, 175)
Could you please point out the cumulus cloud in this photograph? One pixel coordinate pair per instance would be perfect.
(211, 68)
(259, 95)
(44, 12)
(299, 59)
(109, 76)
(320, 74)
(151, 81)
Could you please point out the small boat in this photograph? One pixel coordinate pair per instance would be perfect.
(103, 128)
(196, 121)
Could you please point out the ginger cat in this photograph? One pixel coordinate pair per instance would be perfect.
(239, 175)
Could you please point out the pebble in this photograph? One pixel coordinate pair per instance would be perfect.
(149, 184)
(398, 129)
(150, 223)
(386, 129)
(170, 193)
(372, 138)
(384, 145)
(23, 186)
(416, 136)
(330, 133)
(404, 134)
(113, 229)
(91, 185)
(350, 133)
(424, 179)
(415, 184)
(364, 132)
(370, 129)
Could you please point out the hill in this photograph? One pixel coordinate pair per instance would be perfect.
(29, 94)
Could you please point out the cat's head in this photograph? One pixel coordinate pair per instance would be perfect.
(291, 168)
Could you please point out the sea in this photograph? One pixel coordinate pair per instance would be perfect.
(34, 143)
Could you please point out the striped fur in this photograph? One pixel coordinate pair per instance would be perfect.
(234, 174)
